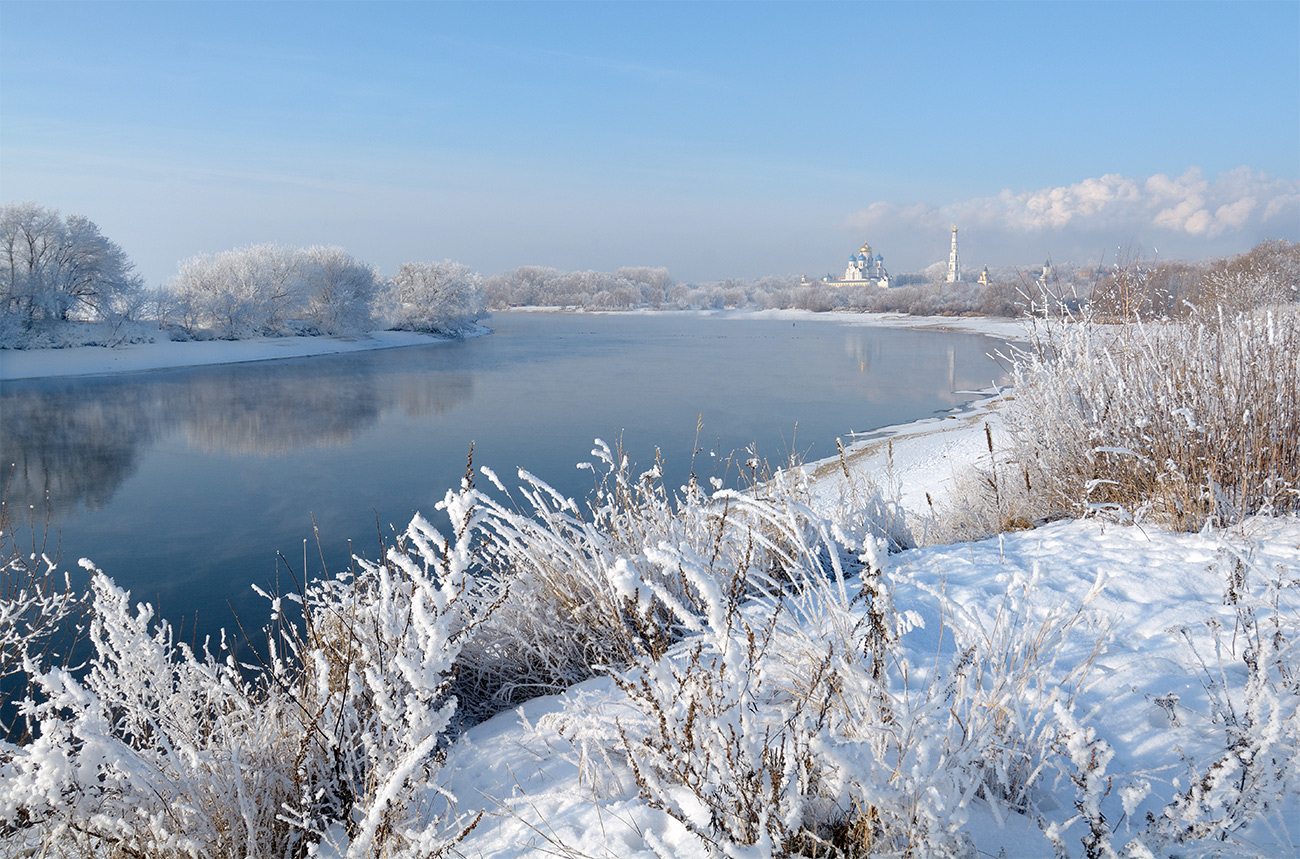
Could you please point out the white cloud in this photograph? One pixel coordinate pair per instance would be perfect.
(1239, 201)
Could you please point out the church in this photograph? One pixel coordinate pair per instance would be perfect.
(863, 270)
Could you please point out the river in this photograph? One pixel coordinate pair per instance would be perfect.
(185, 484)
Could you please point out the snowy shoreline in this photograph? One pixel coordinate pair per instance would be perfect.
(18, 364)
(1137, 609)
(550, 775)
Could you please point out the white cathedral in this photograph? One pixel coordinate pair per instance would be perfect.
(864, 270)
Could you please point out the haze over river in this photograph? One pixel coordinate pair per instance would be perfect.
(183, 484)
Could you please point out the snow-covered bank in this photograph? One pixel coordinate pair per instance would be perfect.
(163, 354)
(552, 778)
(992, 326)
(96, 360)
(1155, 683)
(663, 672)
(917, 463)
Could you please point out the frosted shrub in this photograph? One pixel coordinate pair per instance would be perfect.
(442, 297)
(1251, 678)
(239, 293)
(1266, 275)
(35, 604)
(793, 723)
(158, 750)
(271, 289)
(340, 291)
(376, 660)
(1190, 423)
(575, 590)
(629, 287)
(738, 720)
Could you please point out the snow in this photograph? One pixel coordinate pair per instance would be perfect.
(96, 360)
(549, 777)
(1152, 625)
(916, 459)
(527, 778)
(992, 326)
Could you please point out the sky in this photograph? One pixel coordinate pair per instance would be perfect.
(720, 140)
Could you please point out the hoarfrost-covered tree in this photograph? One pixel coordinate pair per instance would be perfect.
(1267, 275)
(56, 268)
(235, 293)
(340, 291)
(271, 289)
(435, 296)
(626, 288)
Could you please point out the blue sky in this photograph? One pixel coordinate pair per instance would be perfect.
(718, 139)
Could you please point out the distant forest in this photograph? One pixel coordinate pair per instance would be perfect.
(63, 283)
(1128, 288)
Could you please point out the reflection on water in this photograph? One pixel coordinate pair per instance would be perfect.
(281, 412)
(71, 448)
(187, 485)
(273, 415)
(73, 442)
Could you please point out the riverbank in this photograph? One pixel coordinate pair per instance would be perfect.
(1002, 327)
(1061, 690)
(99, 360)
(919, 465)
(1137, 679)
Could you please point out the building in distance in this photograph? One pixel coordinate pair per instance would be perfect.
(863, 270)
(954, 266)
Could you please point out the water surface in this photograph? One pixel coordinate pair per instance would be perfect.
(184, 484)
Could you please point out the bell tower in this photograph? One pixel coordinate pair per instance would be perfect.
(954, 267)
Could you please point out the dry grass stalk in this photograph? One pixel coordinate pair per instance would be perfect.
(1189, 423)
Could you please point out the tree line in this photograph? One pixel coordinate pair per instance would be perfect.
(57, 272)
(1130, 287)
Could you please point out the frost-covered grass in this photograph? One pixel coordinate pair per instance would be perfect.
(578, 589)
(1188, 423)
(35, 604)
(16, 335)
(777, 671)
(776, 683)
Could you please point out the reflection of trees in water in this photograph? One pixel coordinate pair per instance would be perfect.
(285, 409)
(272, 414)
(915, 366)
(423, 394)
(75, 445)
(79, 440)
